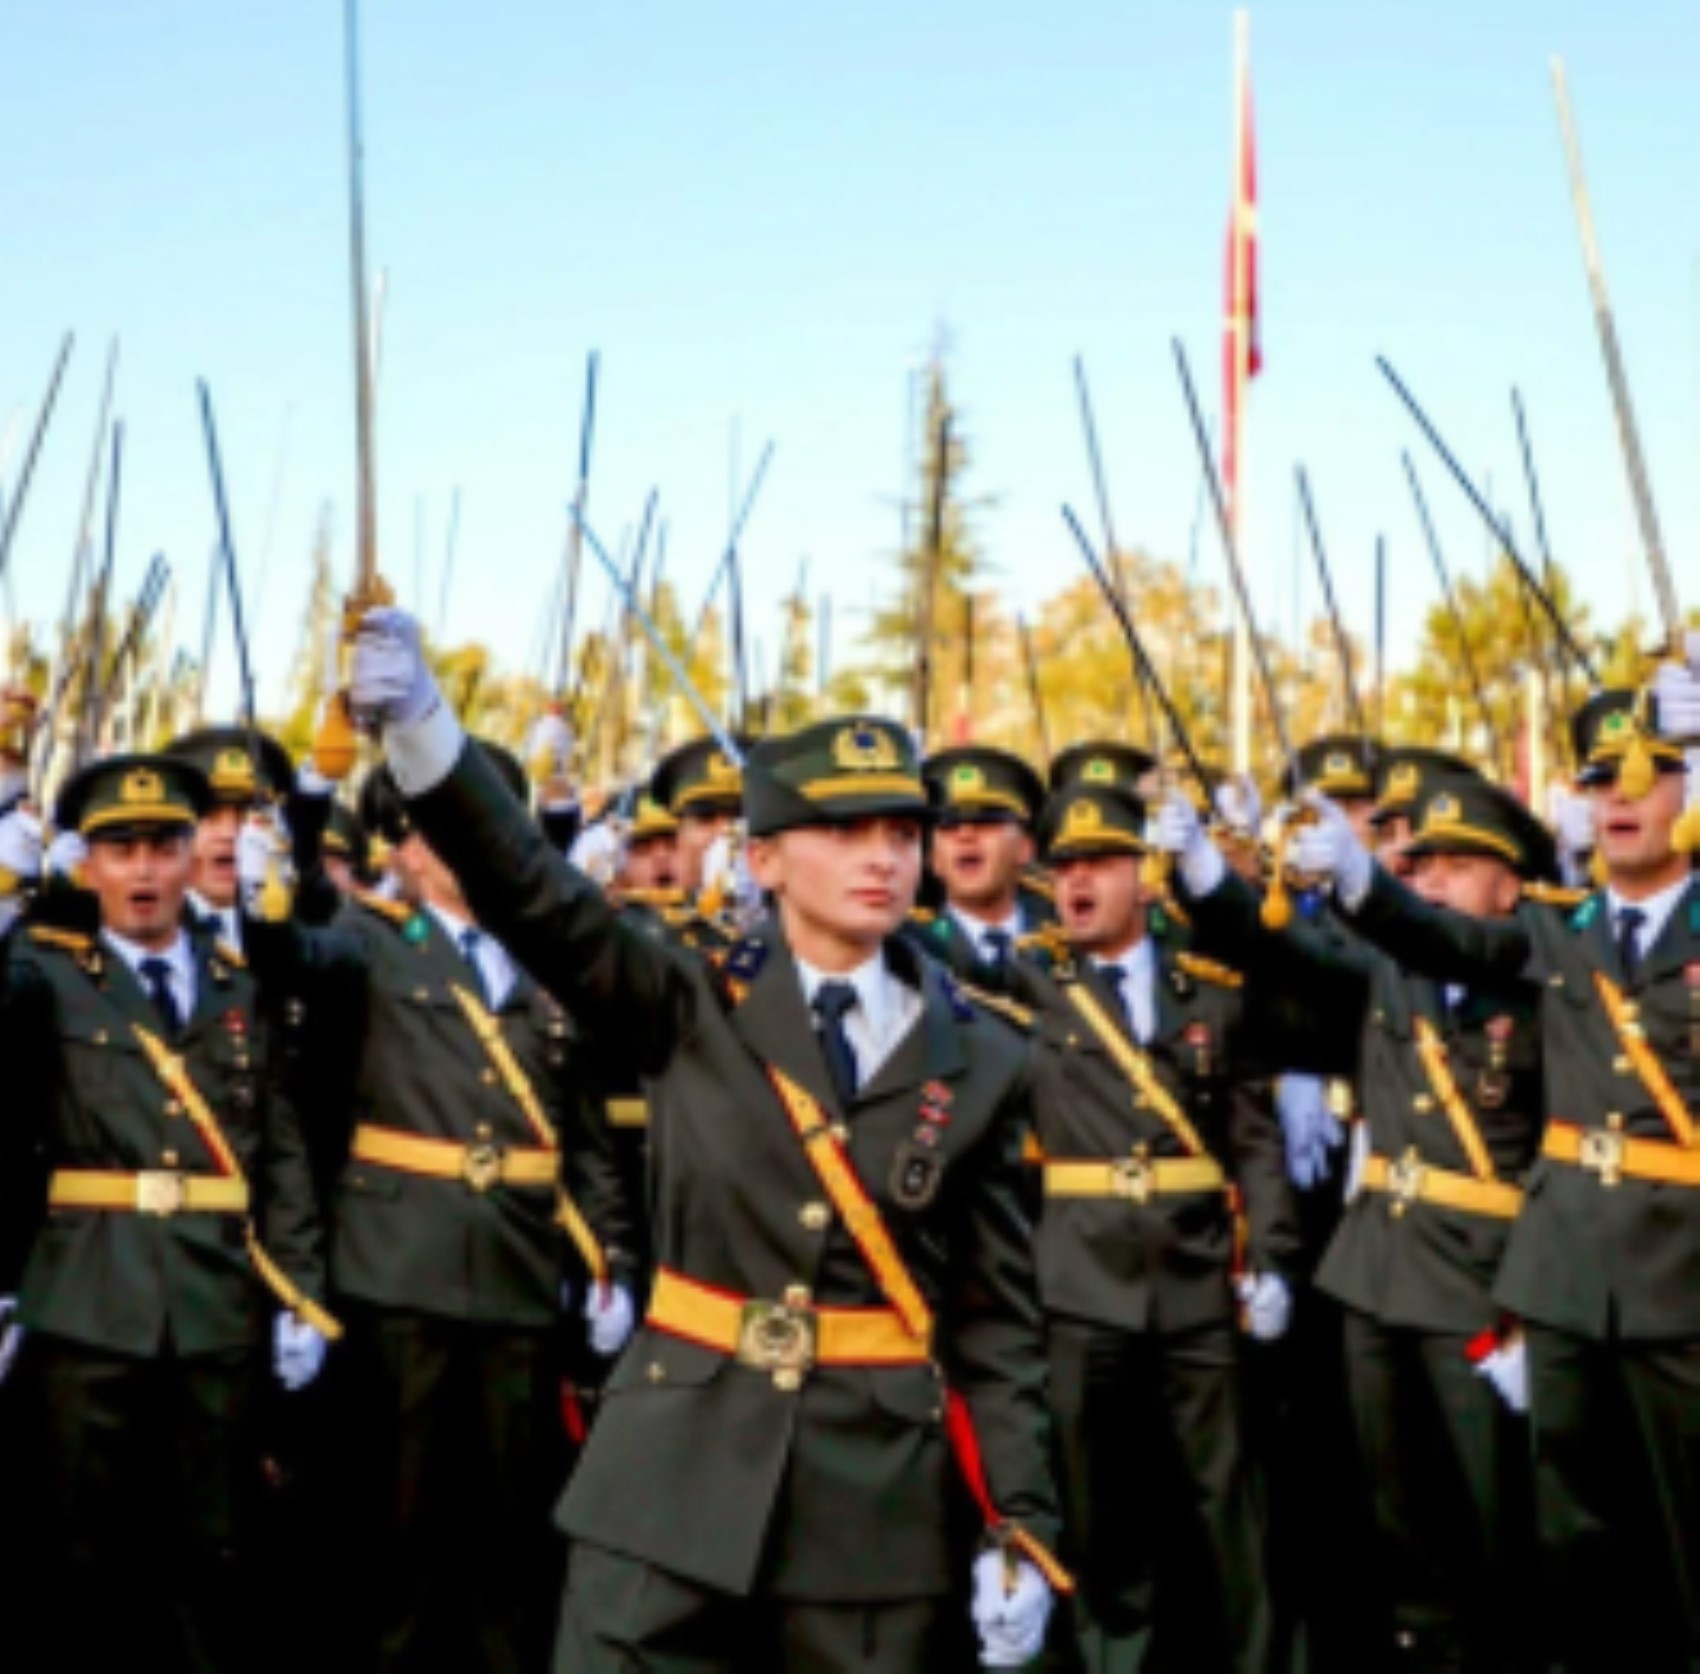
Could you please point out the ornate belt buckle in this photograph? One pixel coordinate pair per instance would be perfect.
(1602, 1154)
(1133, 1178)
(779, 1338)
(160, 1192)
(1405, 1180)
(482, 1167)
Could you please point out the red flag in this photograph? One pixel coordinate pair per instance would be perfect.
(1242, 353)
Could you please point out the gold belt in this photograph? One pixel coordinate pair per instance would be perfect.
(154, 1191)
(1137, 1179)
(787, 1338)
(1615, 1156)
(1409, 1180)
(481, 1165)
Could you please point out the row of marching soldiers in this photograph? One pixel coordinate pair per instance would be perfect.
(834, 1210)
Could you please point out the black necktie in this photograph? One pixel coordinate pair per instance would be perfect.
(833, 1002)
(156, 974)
(994, 948)
(1629, 923)
(470, 941)
(1116, 977)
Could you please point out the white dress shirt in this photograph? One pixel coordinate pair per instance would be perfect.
(180, 956)
(885, 1011)
(228, 919)
(494, 966)
(1139, 986)
(1655, 911)
(977, 929)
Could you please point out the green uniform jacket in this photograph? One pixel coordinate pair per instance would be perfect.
(1585, 1257)
(117, 1280)
(698, 1464)
(1164, 1265)
(1428, 1268)
(410, 1241)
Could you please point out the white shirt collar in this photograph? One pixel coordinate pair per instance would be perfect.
(228, 919)
(1139, 961)
(1656, 908)
(978, 928)
(872, 981)
(180, 956)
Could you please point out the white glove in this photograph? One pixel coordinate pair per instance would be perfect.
(1573, 822)
(1011, 1619)
(609, 1313)
(551, 740)
(1326, 846)
(1309, 1127)
(1507, 1369)
(262, 852)
(298, 1352)
(390, 684)
(1676, 686)
(1176, 829)
(598, 851)
(309, 781)
(1267, 1301)
(725, 868)
(21, 844)
(11, 1334)
(65, 854)
(1239, 804)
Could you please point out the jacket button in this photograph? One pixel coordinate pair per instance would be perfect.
(814, 1216)
(169, 1159)
(482, 1130)
(488, 1078)
(788, 1380)
(657, 1373)
(797, 1296)
(1422, 1103)
(1623, 1066)
(841, 1133)
(173, 1108)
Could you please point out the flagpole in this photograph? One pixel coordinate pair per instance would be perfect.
(1240, 354)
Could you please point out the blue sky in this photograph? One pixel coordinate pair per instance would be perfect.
(761, 213)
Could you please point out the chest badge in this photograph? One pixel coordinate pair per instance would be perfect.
(1494, 1087)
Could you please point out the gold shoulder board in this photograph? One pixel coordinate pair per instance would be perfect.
(397, 912)
(1207, 970)
(69, 940)
(1552, 895)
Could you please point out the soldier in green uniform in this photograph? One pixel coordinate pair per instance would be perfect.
(1453, 1107)
(1403, 773)
(240, 783)
(844, 1295)
(702, 788)
(478, 1201)
(985, 802)
(1166, 1214)
(650, 868)
(1603, 1264)
(177, 1219)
